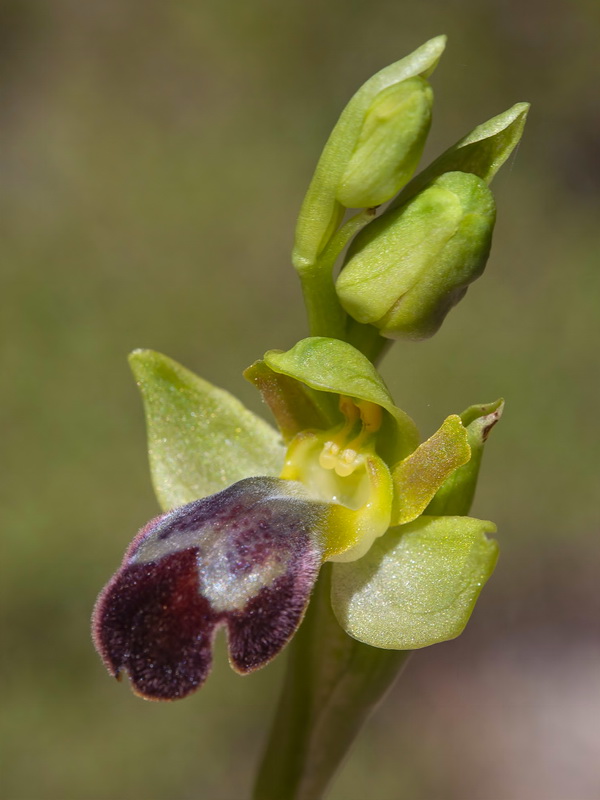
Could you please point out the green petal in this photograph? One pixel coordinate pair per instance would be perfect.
(200, 438)
(417, 585)
(418, 477)
(335, 367)
(456, 494)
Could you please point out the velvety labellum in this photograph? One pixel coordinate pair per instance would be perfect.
(246, 558)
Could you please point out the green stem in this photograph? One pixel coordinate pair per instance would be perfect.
(332, 682)
(332, 685)
(326, 317)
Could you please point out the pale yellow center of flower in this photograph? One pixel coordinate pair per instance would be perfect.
(333, 464)
(342, 452)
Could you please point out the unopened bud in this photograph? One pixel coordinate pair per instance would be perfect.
(406, 270)
(372, 151)
(389, 146)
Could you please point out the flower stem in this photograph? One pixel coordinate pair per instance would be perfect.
(333, 683)
(326, 317)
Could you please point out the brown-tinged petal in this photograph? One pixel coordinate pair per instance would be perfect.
(246, 558)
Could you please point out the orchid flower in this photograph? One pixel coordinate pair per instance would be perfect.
(341, 515)
(251, 514)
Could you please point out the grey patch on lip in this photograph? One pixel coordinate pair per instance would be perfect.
(245, 559)
(245, 537)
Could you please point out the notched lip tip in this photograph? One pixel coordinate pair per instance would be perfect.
(122, 672)
(161, 698)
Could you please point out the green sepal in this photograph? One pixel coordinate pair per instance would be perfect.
(201, 439)
(419, 476)
(321, 211)
(481, 152)
(417, 585)
(335, 368)
(455, 496)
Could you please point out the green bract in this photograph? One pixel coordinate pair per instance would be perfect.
(481, 152)
(406, 269)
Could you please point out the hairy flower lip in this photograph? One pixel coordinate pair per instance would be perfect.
(203, 565)
(246, 551)
(246, 559)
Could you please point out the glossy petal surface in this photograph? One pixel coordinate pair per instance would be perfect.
(417, 585)
(201, 439)
(246, 558)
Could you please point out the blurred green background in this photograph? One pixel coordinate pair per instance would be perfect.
(154, 156)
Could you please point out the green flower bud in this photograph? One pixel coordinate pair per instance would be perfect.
(389, 145)
(406, 270)
(372, 151)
